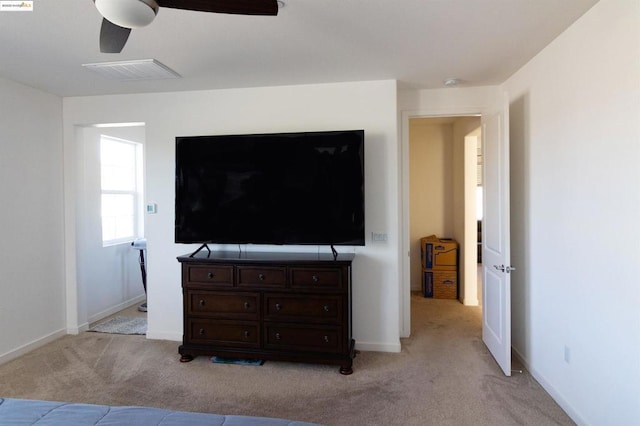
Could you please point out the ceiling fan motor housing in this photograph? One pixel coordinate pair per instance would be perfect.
(128, 13)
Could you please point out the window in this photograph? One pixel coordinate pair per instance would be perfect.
(121, 185)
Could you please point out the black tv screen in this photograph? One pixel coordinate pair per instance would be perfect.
(285, 188)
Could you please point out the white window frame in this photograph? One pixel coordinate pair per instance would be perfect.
(137, 192)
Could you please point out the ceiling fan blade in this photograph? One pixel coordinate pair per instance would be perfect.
(112, 37)
(238, 7)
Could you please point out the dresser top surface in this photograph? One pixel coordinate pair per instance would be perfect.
(267, 257)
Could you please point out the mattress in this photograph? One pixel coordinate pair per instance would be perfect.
(18, 412)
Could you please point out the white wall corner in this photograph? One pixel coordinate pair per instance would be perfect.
(555, 394)
(117, 308)
(35, 344)
(469, 301)
(79, 329)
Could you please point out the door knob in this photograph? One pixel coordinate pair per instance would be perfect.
(506, 269)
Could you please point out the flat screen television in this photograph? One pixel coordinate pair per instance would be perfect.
(286, 188)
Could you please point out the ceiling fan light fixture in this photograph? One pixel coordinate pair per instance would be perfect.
(128, 13)
(452, 82)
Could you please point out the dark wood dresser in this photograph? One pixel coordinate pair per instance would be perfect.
(270, 306)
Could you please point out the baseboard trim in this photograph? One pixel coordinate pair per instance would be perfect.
(79, 329)
(361, 346)
(471, 302)
(378, 347)
(107, 312)
(164, 335)
(551, 390)
(115, 308)
(35, 344)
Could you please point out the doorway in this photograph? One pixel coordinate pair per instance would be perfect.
(496, 280)
(443, 188)
(107, 271)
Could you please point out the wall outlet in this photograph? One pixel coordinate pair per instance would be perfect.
(152, 208)
(567, 354)
(378, 236)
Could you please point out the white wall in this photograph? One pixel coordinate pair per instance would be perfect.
(575, 137)
(437, 192)
(366, 105)
(466, 133)
(108, 278)
(431, 185)
(31, 219)
(431, 165)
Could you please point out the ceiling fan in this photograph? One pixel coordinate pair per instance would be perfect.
(120, 16)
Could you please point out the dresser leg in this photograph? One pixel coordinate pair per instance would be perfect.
(346, 370)
(186, 358)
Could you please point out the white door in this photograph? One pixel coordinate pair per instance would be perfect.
(496, 254)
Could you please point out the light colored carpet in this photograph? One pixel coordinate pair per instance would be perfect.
(122, 325)
(443, 376)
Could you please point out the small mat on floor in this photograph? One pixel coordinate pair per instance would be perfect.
(222, 360)
(122, 325)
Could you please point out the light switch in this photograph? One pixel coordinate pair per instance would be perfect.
(378, 236)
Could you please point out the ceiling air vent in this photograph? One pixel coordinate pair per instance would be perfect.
(143, 69)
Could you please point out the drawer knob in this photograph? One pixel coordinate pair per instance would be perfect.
(210, 275)
(261, 277)
(201, 303)
(315, 278)
(246, 334)
(201, 332)
(278, 306)
(247, 305)
(326, 339)
(326, 308)
(277, 336)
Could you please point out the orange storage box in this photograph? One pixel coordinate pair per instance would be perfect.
(439, 253)
(440, 284)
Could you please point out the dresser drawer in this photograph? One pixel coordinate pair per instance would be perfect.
(255, 277)
(283, 307)
(218, 276)
(303, 338)
(316, 278)
(218, 304)
(223, 333)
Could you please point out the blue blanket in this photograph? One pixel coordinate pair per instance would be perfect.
(18, 412)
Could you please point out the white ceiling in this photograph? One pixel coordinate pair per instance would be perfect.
(418, 42)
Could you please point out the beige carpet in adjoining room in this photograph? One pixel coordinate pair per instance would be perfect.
(443, 376)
